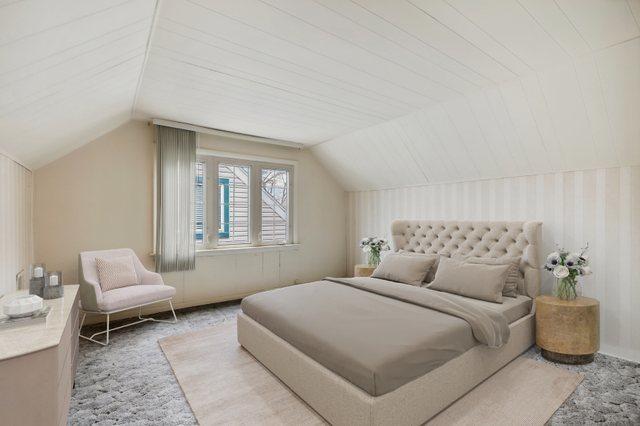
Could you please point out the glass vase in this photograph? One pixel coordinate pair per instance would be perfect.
(374, 258)
(565, 288)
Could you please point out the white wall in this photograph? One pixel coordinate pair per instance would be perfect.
(101, 196)
(16, 236)
(599, 206)
(320, 213)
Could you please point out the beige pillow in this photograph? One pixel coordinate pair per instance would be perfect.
(432, 271)
(431, 275)
(116, 272)
(403, 268)
(484, 282)
(513, 278)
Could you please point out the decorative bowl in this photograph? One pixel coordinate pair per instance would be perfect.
(23, 306)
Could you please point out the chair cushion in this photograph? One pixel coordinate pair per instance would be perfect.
(132, 296)
(116, 272)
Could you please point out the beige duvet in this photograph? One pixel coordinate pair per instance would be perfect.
(376, 334)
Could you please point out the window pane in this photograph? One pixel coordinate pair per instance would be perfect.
(275, 205)
(199, 202)
(233, 187)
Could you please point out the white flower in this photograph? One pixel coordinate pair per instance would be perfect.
(572, 261)
(586, 270)
(366, 249)
(561, 271)
(553, 260)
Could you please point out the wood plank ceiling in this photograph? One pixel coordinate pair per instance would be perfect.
(578, 112)
(301, 70)
(68, 72)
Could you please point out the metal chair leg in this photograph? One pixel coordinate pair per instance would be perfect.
(108, 317)
(175, 318)
(84, 315)
(91, 338)
(108, 330)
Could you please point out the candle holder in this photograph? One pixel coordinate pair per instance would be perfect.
(53, 288)
(38, 272)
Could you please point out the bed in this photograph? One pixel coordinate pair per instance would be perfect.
(374, 352)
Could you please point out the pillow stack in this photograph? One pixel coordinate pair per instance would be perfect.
(483, 278)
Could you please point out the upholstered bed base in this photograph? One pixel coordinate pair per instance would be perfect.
(342, 403)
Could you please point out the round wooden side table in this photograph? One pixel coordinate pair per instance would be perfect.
(568, 331)
(363, 270)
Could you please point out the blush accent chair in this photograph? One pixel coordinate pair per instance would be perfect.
(95, 301)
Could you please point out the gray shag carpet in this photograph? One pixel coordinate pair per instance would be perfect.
(130, 381)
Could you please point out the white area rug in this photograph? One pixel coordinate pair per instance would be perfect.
(224, 384)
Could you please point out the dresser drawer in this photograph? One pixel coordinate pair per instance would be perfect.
(69, 338)
(65, 386)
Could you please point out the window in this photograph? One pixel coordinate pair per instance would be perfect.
(233, 204)
(199, 200)
(242, 202)
(223, 229)
(275, 205)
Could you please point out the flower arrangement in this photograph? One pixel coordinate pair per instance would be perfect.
(567, 267)
(373, 246)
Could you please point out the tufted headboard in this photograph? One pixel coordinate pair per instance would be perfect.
(481, 239)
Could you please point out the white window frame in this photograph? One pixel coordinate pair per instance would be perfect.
(212, 199)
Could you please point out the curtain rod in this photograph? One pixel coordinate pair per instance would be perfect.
(224, 133)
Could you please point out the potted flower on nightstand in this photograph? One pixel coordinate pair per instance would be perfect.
(567, 267)
(373, 246)
(567, 326)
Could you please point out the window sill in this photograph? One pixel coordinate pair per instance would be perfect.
(225, 251)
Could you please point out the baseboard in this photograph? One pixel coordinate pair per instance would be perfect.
(164, 306)
(607, 351)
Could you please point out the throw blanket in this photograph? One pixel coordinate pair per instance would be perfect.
(488, 327)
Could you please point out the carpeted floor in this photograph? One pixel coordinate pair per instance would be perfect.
(130, 381)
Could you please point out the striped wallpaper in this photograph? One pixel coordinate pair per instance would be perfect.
(16, 232)
(599, 206)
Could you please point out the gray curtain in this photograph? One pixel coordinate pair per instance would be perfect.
(175, 239)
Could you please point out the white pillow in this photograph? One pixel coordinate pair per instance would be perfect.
(514, 277)
(116, 272)
(431, 275)
(407, 269)
(484, 282)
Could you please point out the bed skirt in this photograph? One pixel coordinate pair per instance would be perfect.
(342, 403)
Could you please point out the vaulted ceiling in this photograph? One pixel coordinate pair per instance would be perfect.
(573, 116)
(68, 72)
(312, 71)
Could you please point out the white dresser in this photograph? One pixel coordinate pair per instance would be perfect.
(38, 365)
